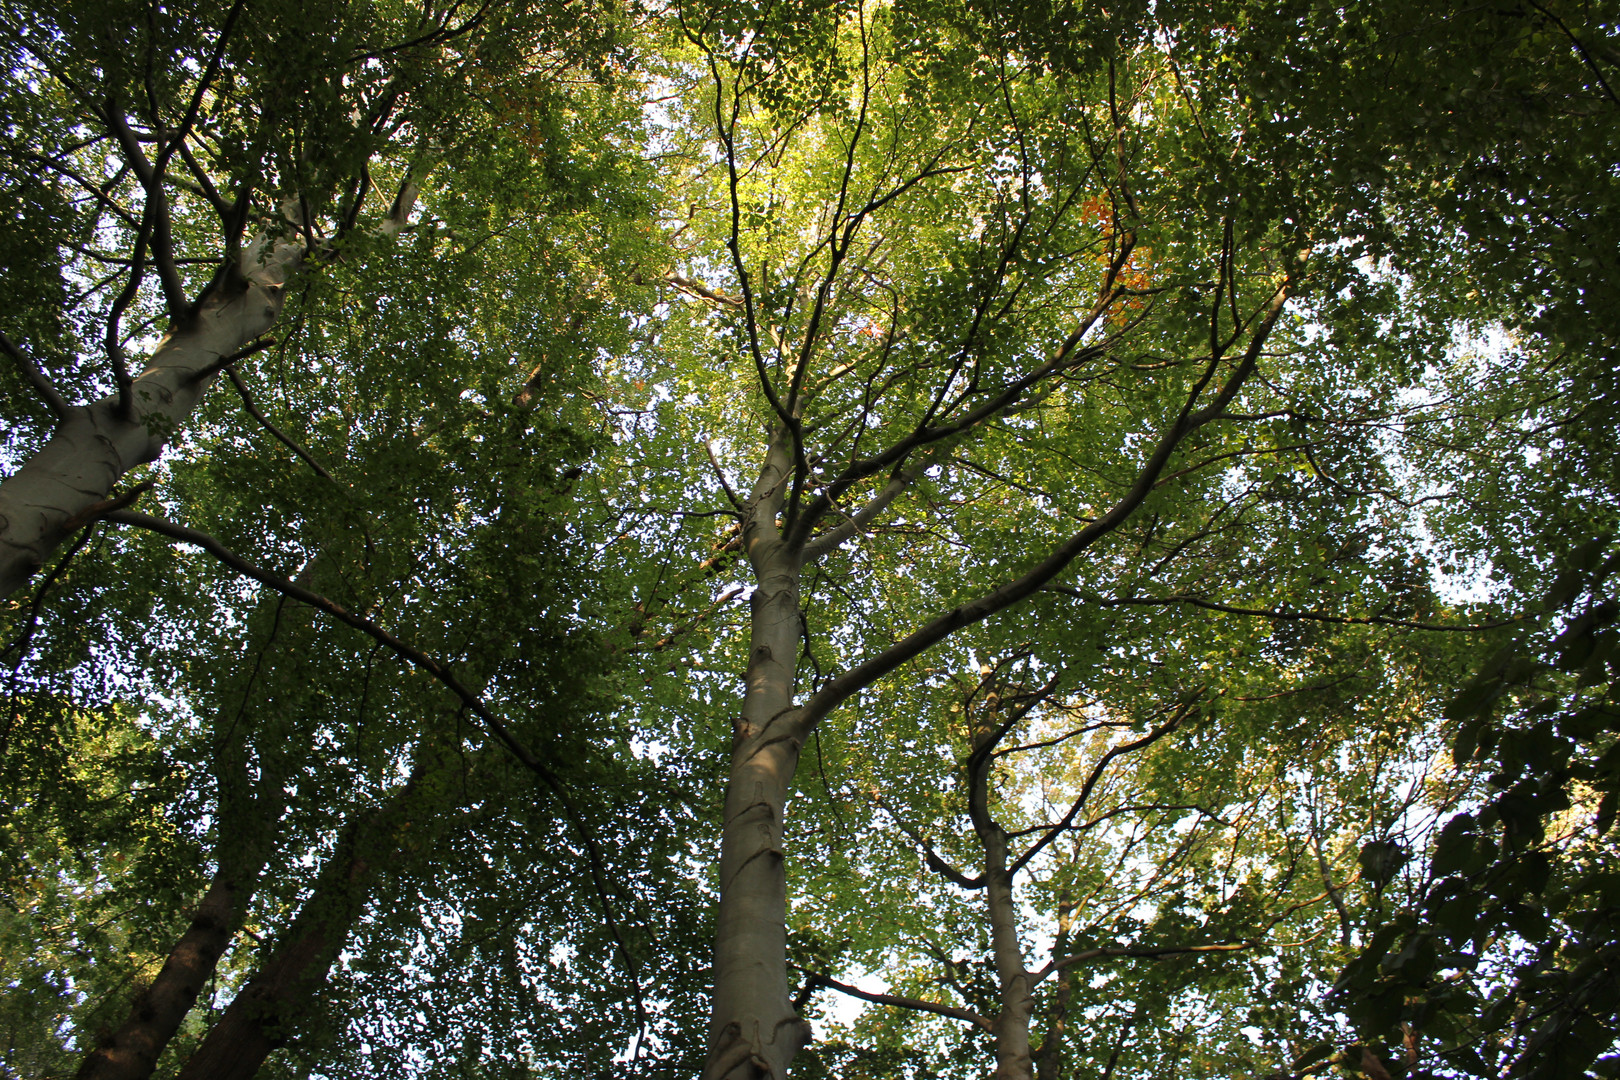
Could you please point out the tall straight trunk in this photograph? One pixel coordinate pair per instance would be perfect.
(1016, 990)
(754, 1031)
(1013, 1058)
(264, 1014)
(59, 489)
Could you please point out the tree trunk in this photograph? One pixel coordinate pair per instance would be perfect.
(263, 1015)
(59, 489)
(68, 482)
(1011, 1027)
(132, 1052)
(1013, 1058)
(1049, 1062)
(754, 1031)
(248, 824)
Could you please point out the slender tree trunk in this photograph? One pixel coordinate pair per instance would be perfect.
(58, 489)
(755, 1031)
(1011, 1026)
(264, 1014)
(1049, 1062)
(1013, 1058)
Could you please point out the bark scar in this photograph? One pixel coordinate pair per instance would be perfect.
(770, 810)
(763, 850)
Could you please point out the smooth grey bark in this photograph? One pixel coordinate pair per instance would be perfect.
(1011, 1024)
(1013, 1058)
(69, 481)
(755, 1031)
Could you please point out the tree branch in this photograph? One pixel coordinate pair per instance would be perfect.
(916, 1004)
(432, 667)
(264, 422)
(930, 856)
(1586, 57)
(205, 185)
(700, 290)
(1061, 360)
(1272, 613)
(36, 378)
(1133, 808)
(240, 354)
(1176, 718)
(1176, 950)
(720, 475)
(828, 541)
(1140, 954)
(1003, 596)
(100, 510)
(210, 73)
(411, 655)
(155, 220)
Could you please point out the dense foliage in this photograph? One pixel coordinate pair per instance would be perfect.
(930, 538)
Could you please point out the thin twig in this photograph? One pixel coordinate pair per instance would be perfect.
(281, 436)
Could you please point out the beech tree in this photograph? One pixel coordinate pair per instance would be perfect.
(1108, 340)
(186, 184)
(1115, 439)
(255, 696)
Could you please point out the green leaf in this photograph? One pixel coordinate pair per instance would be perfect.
(1318, 1053)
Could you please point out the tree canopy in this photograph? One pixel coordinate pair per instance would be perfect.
(923, 538)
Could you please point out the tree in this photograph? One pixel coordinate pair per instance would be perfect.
(1499, 146)
(402, 425)
(1013, 359)
(146, 170)
(900, 370)
(1515, 895)
(1169, 848)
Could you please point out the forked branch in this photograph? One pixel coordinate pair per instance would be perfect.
(1189, 419)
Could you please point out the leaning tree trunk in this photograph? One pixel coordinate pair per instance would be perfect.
(263, 1015)
(62, 487)
(69, 482)
(132, 1051)
(754, 1031)
(250, 812)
